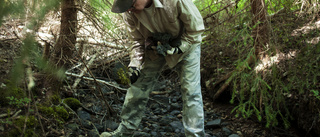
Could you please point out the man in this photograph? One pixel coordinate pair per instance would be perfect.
(182, 20)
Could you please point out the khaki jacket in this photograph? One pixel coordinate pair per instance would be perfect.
(180, 18)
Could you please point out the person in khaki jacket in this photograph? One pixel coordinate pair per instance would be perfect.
(181, 20)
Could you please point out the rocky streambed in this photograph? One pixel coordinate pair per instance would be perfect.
(162, 116)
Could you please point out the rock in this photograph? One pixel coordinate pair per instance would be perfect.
(96, 108)
(175, 106)
(226, 131)
(108, 124)
(175, 112)
(154, 134)
(168, 129)
(219, 134)
(174, 100)
(147, 130)
(154, 117)
(93, 133)
(162, 99)
(99, 127)
(1, 128)
(87, 124)
(165, 120)
(176, 125)
(157, 111)
(234, 135)
(84, 115)
(164, 111)
(163, 133)
(155, 126)
(160, 86)
(214, 124)
(154, 106)
(73, 126)
(224, 124)
(141, 134)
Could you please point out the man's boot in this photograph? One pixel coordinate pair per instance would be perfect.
(120, 132)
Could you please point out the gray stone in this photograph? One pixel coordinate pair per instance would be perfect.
(168, 129)
(162, 99)
(226, 131)
(164, 120)
(93, 133)
(73, 126)
(154, 134)
(175, 112)
(163, 133)
(234, 135)
(155, 126)
(87, 124)
(141, 134)
(176, 125)
(146, 129)
(84, 115)
(99, 127)
(111, 125)
(214, 123)
(175, 106)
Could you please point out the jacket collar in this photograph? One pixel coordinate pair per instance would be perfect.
(157, 4)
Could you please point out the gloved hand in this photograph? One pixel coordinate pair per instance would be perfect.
(174, 50)
(134, 74)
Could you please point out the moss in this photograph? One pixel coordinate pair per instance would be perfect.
(48, 111)
(58, 112)
(123, 76)
(62, 112)
(19, 123)
(31, 122)
(72, 103)
(10, 91)
(55, 99)
(17, 133)
(14, 132)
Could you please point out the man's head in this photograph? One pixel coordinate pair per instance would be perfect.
(135, 6)
(120, 6)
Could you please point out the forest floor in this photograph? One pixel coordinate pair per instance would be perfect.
(163, 114)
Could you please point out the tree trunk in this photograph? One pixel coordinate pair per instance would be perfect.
(67, 39)
(260, 32)
(63, 50)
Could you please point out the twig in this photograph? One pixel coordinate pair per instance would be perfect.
(75, 67)
(229, 77)
(98, 80)
(111, 112)
(37, 112)
(16, 114)
(225, 7)
(83, 72)
(6, 115)
(159, 92)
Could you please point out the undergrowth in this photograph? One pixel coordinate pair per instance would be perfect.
(268, 95)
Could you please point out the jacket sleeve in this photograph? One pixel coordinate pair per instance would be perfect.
(193, 24)
(137, 39)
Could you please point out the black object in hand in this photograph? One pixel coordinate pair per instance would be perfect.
(134, 74)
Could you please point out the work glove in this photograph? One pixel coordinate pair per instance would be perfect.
(174, 50)
(134, 74)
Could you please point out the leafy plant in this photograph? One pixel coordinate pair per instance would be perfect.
(18, 102)
(316, 93)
